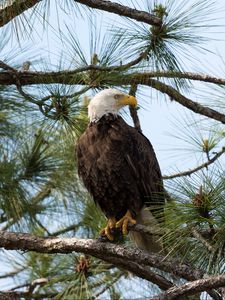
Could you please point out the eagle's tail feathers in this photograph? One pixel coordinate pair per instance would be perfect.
(148, 242)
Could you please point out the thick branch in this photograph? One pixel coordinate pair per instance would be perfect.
(72, 77)
(28, 78)
(16, 8)
(106, 251)
(192, 288)
(112, 7)
(191, 171)
(67, 76)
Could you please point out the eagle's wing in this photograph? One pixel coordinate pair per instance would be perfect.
(143, 164)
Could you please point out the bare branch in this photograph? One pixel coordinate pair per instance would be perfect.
(184, 75)
(9, 12)
(106, 251)
(72, 227)
(112, 7)
(199, 237)
(13, 273)
(192, 288)
(13, 294)
(191, 171)
(133, 111)
(71, 77)
(66, 76)
(6, 67)
(184, 101)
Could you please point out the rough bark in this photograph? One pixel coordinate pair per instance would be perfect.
(116, 8)
(73, 77)
(13, 10)
(106, 251)
(193, 287)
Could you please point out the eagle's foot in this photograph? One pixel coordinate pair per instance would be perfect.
(125, 221)
(107, 231)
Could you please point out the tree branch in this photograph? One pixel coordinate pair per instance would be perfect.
(125, 11)
(72, 227)
(72, 77)
(16, 8)
(142, 272)
(133, 111)
(182, 75)
(106, 251)
(192, 288)
(191, 171)
(13, 273)
(200, 238)
(184, 101)
(66, 76)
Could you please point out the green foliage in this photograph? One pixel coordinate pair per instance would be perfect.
(40, 192)
(197, 206)
(181, 28)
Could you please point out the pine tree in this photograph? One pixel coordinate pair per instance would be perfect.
(54, 57)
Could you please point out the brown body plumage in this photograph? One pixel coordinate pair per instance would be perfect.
(119, 168)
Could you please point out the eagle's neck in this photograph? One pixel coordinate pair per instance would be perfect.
(106, 117)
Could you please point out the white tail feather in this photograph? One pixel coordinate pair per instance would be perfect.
(148, 242)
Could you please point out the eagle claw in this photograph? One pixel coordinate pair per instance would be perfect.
(125, 221)
(108, 230)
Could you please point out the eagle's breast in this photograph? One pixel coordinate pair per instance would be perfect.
(118, 166)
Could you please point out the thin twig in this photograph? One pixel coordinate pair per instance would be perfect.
(108, 286)
(39, 197)
(133, 111)
(200, 238)
(72, 227)
(12, 274)
(204, 165)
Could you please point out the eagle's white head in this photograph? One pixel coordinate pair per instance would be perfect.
(108, 101)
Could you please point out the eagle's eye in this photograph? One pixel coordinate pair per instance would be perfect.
(117, 96)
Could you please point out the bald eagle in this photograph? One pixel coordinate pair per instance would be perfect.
(119, 168)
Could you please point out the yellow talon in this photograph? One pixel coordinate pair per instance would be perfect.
(107, 230)
(124, 221)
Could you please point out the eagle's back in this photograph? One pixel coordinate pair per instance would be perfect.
(119, 167)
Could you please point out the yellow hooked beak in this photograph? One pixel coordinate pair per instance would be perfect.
(127, 100)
